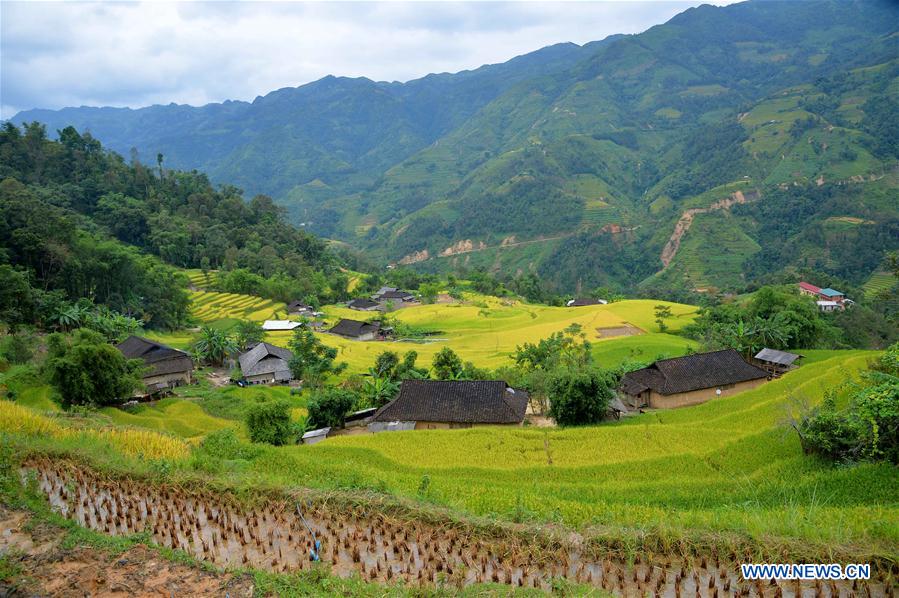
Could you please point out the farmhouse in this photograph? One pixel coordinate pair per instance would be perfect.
(363, 304)
(581, 302)
(441, 404)
(168, 367)
(299, 308)
(776, 362)
(690, 380)
(265, 364)
(395, 295)
(272, 325)
(356, 330)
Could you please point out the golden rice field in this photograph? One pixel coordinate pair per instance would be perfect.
(486, 330)
(729, 465)
(210, 306)
(201, 279)
(143, 444)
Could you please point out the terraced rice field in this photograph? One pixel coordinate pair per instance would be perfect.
(486, 330)
(172, 416)
(729, 465)
(878, 283)
(599, 214)
(201, 279)
(210, 306)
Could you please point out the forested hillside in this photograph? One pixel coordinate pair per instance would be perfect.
(80, 228)
(726, 145)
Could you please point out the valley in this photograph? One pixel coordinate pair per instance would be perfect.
(610, 318)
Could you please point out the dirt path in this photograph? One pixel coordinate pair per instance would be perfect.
(42, 567)
(686, 220)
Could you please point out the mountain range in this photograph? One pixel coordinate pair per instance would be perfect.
(726, 145)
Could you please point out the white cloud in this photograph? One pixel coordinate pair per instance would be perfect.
(135, 54)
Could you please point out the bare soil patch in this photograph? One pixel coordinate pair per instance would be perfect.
(47, 569)
(613, 331)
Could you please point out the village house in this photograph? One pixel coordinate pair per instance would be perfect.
(299, 308)
(826, 299)
(450, 404)
(581, 302)
(776, 362)
(690, 380)
(363, 304)
(265, 364)
(168, 367)
(396, 296)
(356, 330)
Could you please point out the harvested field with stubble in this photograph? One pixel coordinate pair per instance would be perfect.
(389, 543)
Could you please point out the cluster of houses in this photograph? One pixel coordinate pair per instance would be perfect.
(451, 404)
(168, 368)
(382, 299)
(827, 299)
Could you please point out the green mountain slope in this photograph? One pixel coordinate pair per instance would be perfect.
(578, 162)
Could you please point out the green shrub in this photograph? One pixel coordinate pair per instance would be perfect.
(328, 408)
(580, 397)
(224, 444)
(89, 372)
(269, 422)
(17, 348)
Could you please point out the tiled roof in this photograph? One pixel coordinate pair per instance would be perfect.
(394, 295)
(160, 358)
(456, 401)
(265, 359)
(353, 328)
(582, 302)
(693, 372)
(362, 304)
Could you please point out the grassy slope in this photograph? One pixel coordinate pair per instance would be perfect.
(179, 418)
(726, 465)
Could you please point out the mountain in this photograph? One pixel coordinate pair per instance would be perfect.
(641, 160)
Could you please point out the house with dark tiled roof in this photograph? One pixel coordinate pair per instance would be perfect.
(393, 295)
(166, 367)
(356, 330)
(299, 308)
(363, 304)
(265, 364)
(442, 404)
(585, 301)
(690, 380)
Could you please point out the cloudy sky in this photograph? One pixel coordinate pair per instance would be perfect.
(136, 54)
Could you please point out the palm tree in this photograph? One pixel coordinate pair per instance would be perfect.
(71, 317)
(214, 346)
(379, 390)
